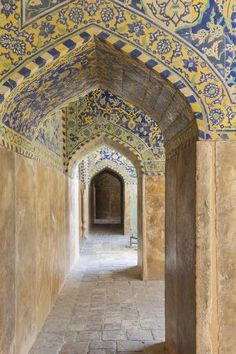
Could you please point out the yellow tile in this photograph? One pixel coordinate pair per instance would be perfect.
(33, 67)
(17, 77)
(48, 57)
(128, 48)
(186, 91)
(61, 48)
(196, 107)
(4, 91)
(144, 57)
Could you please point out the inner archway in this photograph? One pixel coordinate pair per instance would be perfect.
(107, 199)
(108, 181)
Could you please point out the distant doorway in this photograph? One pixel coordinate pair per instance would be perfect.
(107, 199)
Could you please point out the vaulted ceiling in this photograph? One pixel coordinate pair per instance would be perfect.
(95, 65)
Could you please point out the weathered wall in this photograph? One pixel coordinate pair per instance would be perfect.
(39, 243)
(211, 322)
(141, 227)
(216, 247)
(83, 210)
(154, 200)
(7, 253)
(130, 212)
(180, 251)
(226, 244)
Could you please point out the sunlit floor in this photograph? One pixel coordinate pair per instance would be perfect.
(104, 307)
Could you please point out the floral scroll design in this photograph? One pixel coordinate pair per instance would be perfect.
(175, 12)
(105, 154)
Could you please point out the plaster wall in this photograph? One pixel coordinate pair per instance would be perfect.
(83, 210)
(141, 227)
(200, 316)
(7, 253)
(154, 200)
(130, 215)
(216, 247)
(226, 243)
(39, 243)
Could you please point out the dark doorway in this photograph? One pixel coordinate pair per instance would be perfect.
(106, 199)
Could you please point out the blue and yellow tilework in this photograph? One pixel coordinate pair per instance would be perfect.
(190, 43)
(106, 157)
(101, 112)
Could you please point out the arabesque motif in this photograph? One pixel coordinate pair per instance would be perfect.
(105, 157)
(101, 112)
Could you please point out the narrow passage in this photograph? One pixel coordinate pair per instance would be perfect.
(104, 307)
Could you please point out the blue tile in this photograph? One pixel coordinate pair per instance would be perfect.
(55, 53)
(119, 44)
(103, 35)
(224, 136)
(180, 85)
(1, 98)
(202, 135)
(191, 99)
(25, 72)
(40, 61)
(86, 36)
(151, 63)
(69, 44)
(10, 83)
(135, 53)
(198, 115)
(165, 74)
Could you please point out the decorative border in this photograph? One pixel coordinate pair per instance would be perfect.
(105, 139)
(77, 154)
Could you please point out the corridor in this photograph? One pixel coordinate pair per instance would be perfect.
(104, 307)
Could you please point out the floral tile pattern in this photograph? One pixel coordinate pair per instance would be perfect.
(105, 157)
(210, 25)
(32, 104)
(102, 112)
(34, 8)
(193, 40)
(50, 133)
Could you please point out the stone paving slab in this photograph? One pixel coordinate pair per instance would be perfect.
(104, 308)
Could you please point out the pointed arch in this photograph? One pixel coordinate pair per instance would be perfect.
(97, 141)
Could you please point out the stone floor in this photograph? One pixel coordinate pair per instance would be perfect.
(104, 308)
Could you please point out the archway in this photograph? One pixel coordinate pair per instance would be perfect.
(154, 268)
(107, 199)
